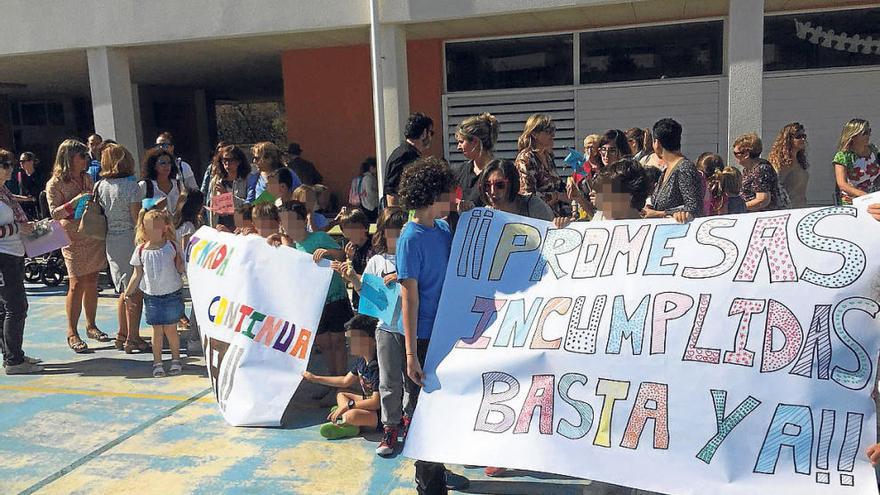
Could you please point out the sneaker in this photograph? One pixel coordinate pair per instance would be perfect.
(332, 431)
(23, 368)
(404, 427)
(456, 482)
(389, 442)
(158, 370)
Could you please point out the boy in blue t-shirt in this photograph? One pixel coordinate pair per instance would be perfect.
(422, 255)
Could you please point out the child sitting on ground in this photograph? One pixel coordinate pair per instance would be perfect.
(330, 335)
(307, 196)
(358, 409)
(157, 267)
(397, 403)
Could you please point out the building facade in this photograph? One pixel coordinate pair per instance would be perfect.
(721, 67)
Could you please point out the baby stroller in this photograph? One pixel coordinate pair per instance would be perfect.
(47, 268)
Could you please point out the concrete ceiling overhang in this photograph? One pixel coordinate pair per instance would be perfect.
(249, 67)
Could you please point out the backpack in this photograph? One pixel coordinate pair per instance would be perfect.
(355, 191)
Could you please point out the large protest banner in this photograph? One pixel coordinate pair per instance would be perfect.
(258, 309)
(729, 355)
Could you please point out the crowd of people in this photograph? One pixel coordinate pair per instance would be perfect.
(632, 174)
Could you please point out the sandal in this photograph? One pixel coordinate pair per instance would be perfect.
(119, 342)
(158, 370)
(137, 345)
(95, 334)
(76, 344)
(175, 368)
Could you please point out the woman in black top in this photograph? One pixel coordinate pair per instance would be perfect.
(680, 193)
(476, 137)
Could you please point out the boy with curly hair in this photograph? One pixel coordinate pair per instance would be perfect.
(423, 251)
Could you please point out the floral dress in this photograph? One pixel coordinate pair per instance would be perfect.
(537, 174)
(761, 178)
(861, 172)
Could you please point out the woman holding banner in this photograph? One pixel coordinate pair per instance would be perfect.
(13, 299)
(118, 194)
(66, 193)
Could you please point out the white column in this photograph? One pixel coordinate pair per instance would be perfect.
(112, 99)
(390, 86)
(745, 58)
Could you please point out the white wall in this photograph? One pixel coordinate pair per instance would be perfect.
(822, 102)
(33, 26)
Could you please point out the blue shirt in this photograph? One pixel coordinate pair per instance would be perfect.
(257, 184)
(422, 255)
(94, 170)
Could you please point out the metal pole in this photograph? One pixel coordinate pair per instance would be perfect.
(378, 96)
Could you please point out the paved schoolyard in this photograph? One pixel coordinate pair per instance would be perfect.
(99, 423)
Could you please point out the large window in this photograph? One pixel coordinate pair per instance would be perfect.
(510, 63)
(645, 53)
(827, 39)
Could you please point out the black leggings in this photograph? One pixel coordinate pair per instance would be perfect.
(13, 308)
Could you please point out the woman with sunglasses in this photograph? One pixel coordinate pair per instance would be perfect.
(499, 185)
(85, 256)
(856, 164)
(13, 299)
(267, 159)
(160, 179)
(536, 163)
(789, 158)
(760, 184)
(230, 174)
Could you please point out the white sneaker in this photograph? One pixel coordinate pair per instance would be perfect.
(23, 368)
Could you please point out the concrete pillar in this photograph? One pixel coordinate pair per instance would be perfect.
(390, 86)
(745, 58)
(203, 139)
(112, 99)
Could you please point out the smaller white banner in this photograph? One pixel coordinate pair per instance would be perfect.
(258, 309)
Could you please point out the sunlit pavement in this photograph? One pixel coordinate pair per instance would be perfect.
(99, 423)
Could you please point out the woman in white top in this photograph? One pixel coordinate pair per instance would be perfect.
(13, 300)
(160, 179)
(118, 194)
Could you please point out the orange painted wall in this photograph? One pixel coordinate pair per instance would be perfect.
(329, 104)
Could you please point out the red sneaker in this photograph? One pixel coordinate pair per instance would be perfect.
(389, 442)
(494, 471)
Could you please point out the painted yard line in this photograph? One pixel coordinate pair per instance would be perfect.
(98, 393)
(113, 443)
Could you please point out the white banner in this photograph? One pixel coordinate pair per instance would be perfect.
(730, 355)
(258, 309)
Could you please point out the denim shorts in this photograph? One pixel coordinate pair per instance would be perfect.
(165, 309)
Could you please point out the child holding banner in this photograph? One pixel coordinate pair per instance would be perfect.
(337, 309)
(359, 409)
(423, 251)
(394, 387)
(265, 219)
(157, 267)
